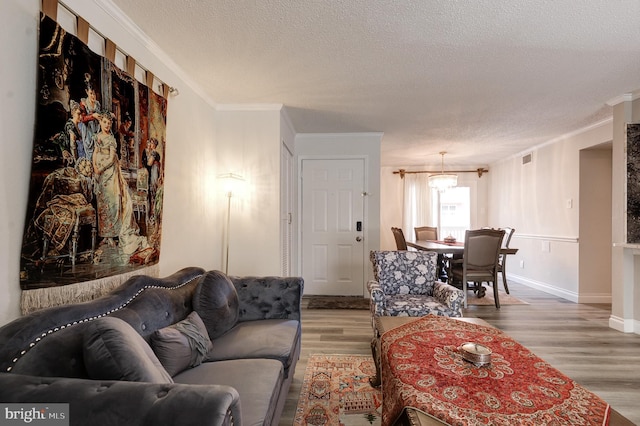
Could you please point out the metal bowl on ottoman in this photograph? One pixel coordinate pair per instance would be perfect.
(476, 353)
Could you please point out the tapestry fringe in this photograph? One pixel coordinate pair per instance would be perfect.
(36, 299)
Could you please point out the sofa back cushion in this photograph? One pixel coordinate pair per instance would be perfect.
(182, 345)
(113, 350)
(216, 301)
(405, 272)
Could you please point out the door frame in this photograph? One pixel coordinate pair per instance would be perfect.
(365, 214)
(287, 213)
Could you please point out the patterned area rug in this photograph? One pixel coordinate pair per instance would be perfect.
(505, 299)
(336, 392)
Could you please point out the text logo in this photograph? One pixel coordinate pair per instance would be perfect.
(34, 414)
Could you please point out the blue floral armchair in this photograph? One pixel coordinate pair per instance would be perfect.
(405, 284)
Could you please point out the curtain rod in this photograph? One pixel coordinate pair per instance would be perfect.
(480, 171)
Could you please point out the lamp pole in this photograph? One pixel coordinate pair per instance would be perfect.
(230, 182)
(226, 266)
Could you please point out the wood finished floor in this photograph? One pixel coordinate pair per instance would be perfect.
(574, 338)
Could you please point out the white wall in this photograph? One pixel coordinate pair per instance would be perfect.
(541, 201)
(391, 201)
(18, 35)
(595, 225)
(248, 143)
(190, 154)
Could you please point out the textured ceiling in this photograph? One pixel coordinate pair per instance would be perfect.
(480, 79)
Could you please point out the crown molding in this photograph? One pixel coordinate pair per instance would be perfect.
(627, 97)
(557, 139)
(137, 34)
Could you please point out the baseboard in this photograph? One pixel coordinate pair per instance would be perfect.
(620, 324)
(624, 325)
(565, 294)
(538, 285)
(595, 298)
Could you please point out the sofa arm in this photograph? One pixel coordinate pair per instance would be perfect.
(97, 403)
(377, 301)
(448, 295)
(269, 297)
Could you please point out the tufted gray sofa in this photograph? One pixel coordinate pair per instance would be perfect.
(253, 324)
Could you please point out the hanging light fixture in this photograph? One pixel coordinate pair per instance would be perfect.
(443, 181)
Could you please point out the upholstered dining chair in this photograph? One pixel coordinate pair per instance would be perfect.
(502, 259)
(426, 233)
(401, 242)
(479, 261)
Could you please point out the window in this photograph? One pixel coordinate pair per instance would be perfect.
(448, 210)
(452, 210)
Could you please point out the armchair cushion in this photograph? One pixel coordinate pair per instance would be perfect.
(408, 305)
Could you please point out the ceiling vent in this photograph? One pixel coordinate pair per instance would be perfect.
(526, 159)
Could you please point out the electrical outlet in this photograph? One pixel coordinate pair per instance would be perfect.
(522, 263)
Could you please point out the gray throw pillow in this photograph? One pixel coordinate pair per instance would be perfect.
(182, 345)
(113, 350)
(216, 301)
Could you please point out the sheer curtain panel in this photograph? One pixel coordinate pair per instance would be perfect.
(417, 209)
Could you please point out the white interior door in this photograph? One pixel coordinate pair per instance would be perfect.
(332, 226)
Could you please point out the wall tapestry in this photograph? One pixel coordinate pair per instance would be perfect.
(633, 183)
(95, 196)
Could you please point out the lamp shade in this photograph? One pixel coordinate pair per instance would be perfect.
(231, 183)
(443, 181)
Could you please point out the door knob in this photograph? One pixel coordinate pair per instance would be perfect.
(358, 239)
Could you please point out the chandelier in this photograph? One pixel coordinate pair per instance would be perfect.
(443, 181)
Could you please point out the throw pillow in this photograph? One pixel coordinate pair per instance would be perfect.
(216, 301)
(182, 345)
(113, 350)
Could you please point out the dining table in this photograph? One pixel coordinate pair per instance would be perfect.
(445, 247)
(454, 248)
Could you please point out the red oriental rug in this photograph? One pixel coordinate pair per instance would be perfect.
(336, 392)
(423, 367)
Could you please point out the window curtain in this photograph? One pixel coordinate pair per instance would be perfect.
(417, 209)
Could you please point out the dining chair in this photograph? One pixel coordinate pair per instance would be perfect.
(479, 261)
(426, 233)
(401, 242)
(508, 233)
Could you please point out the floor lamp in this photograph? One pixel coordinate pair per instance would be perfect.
(230, 183)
